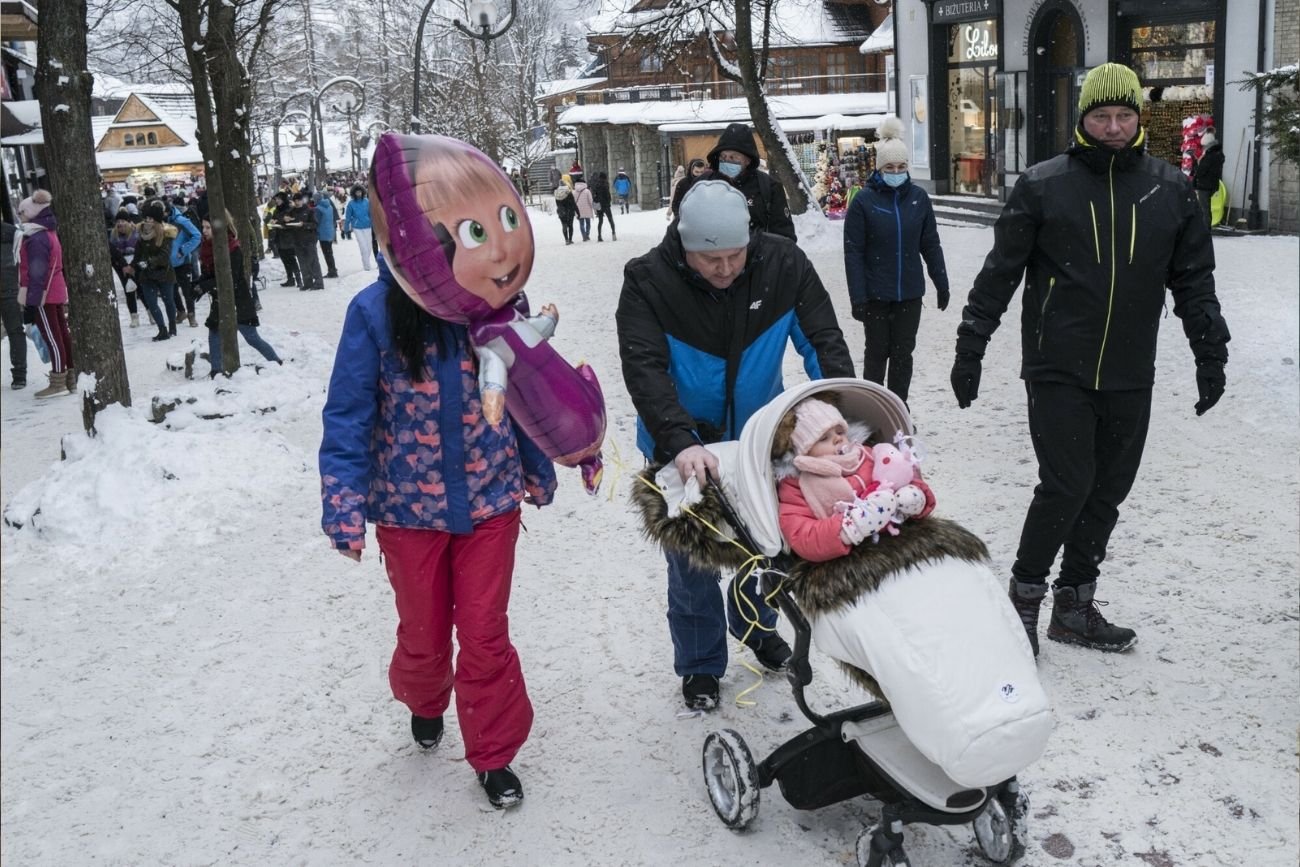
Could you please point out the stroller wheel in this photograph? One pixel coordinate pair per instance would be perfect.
(731, 778)
(997, 834)
(877, 848)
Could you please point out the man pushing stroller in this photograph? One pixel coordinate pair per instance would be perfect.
(703, 321)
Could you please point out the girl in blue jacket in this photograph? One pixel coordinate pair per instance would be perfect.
(889, 229)
(356, 222)
(406, 448)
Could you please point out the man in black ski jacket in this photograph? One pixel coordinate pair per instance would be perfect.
(703, 322)
(1097, 233)
(735, 156)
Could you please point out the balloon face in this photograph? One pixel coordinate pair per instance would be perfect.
(451, 225)
(494, 249)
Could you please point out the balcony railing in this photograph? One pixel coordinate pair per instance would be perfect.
(865, 82)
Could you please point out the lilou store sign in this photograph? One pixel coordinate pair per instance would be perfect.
(963, 10)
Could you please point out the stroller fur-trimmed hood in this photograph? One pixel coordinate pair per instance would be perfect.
(687, 533)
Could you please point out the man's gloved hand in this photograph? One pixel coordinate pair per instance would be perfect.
(966, 378)
(943, 297)
(860, 311)
(697, 462)
(1210, 382)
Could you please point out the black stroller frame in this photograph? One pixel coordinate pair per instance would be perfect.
(825, 765)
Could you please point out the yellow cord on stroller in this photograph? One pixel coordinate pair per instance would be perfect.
(743, 572)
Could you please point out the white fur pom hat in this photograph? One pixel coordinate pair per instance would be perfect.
(890, 147)
(812, 419)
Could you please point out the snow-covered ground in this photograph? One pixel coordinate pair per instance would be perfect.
(191, 675)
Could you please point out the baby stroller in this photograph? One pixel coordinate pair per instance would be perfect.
(861, 750)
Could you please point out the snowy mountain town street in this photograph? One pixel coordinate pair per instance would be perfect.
(192, 676)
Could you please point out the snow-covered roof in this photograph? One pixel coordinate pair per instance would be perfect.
(794, 22)
(564, 85)
(182, 123)
(133, 158)
(882, 39)
(713, 112)
(27, 113)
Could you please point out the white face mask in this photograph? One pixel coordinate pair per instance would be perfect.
(731, 170)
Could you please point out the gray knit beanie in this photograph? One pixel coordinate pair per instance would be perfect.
(714, 215)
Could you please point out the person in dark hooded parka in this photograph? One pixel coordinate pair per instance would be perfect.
(735, 156)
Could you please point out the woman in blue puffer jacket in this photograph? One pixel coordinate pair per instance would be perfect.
(889, 229)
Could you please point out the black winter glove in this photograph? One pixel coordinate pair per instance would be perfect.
(966, 378)
(29, 314)
(943, 298)
(1210, 382)
(860, 311)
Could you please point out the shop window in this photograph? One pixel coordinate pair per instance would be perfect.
(153, 139)
(1165, 54)
(128, 140)
(971, 103)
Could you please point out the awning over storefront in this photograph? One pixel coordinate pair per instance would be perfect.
(713, 113)
(881, 39)
(790, 125)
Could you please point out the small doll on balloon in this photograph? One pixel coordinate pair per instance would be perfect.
(835, 492)
(456, 236)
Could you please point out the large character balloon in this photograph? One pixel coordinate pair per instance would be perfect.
(457, 238)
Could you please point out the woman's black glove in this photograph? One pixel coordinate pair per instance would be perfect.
(966, 378)
(29, 314)
(1210, 382)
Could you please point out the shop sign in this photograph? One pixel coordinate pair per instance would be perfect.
(975, 42)
(963, 10)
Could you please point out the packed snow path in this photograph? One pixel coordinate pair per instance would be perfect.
(191, 675)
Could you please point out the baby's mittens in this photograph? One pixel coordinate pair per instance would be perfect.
(870, 515)
(851, 515)
(911, 500)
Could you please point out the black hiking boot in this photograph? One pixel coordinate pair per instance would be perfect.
(1076, 619)
(769, 648)
(502, 788)
(427, 731)
(1027, 599)
(701, 691)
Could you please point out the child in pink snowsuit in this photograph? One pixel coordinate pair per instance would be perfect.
(829, 500)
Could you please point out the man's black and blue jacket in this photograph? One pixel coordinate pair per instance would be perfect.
(699, 361)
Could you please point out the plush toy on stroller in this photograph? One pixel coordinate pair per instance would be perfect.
(907, 604)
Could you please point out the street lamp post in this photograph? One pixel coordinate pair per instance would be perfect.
(483, 15)
(353, 99)
(287, 117)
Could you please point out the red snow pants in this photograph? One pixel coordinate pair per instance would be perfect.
(440, 581)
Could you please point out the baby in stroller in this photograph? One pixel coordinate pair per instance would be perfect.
(915, 616)
(836, 493)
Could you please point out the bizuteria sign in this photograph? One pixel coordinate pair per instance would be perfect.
(963, 10)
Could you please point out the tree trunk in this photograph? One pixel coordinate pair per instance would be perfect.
(63, 86)
(780, 158)
(231, 94)
(191, 15)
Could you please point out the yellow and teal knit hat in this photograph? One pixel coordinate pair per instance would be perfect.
(1110, 84)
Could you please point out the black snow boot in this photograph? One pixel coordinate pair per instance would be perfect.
(1027, 599)
(700, 691)
(502, 787)
(770, 649)
(427, 731)
(1076, 619)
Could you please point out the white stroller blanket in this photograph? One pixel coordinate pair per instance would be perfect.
(952, 658)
